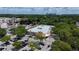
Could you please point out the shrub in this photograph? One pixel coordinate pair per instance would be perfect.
(19, 31)
(40, 35)
(2, 32)
(5, 39)
(17, 44)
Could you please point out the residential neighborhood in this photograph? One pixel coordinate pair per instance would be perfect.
(27, 37)
(39, 29)
(39, 33)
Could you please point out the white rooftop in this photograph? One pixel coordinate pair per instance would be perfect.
(41, 28)
(4, 25)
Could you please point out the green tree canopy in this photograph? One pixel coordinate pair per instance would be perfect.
(61, 46)
(40, 35)
(75, 32)
(63, 30)
(33, 45)
(2, 32)
(17, 44)
(74, 42)
(19, 31)
(5, 39)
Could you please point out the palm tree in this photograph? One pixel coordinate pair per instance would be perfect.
(40, 36)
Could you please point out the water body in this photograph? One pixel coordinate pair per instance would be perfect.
(39, 10)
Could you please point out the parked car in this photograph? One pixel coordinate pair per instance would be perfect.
(31, 50)
(7, 43)
(41, 43)
(18, 38)
(26, 41)
(1, 49)
(24, 44)
(24, 50)
(3, 44)
(48, 46)
(15, 39)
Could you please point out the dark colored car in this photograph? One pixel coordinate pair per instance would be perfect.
(24, 50)
(1, 49)
(48, 46)
(3, 44)
(24, 44)
(31, 50)
(15, 39)
(7, 43)
(41, 43)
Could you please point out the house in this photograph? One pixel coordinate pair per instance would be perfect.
(4, 25)
(45, 29)
(77, 24)
(6, 22)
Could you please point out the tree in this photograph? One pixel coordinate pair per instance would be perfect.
(33, 45)
(74, 42)
(5, 39)
(63, 30)
(40, 35)
(20, 31)
(75, 32)
(25, 21)
(2, 32)
(17, 44)
(60, 46)
(13, 31)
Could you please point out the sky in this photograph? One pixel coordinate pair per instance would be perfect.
(39, 10)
